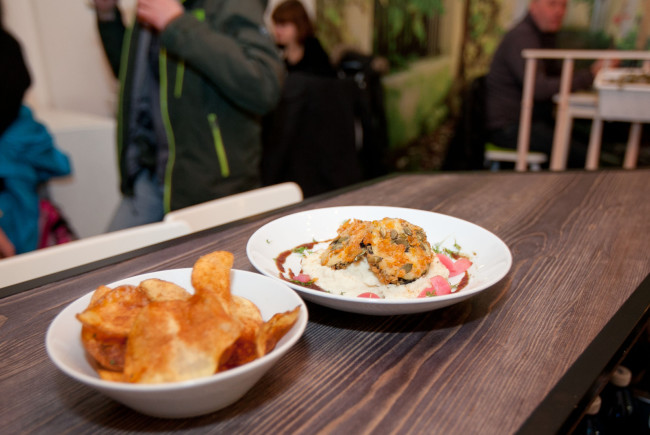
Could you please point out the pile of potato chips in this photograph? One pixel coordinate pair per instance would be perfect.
(158, 332)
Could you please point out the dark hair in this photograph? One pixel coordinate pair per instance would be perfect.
(292, 11)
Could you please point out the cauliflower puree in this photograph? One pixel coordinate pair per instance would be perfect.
(357, 278)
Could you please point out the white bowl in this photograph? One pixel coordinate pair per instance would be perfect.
(187, 398)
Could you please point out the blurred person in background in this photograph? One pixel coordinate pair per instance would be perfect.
(195, 78)
(28, 157)
(294, 33)
(310, 138)
(505, 81)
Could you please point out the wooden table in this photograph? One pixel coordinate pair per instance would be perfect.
(523, 356)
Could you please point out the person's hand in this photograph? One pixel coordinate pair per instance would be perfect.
(7, 248)
(105, 9)
(158, 13)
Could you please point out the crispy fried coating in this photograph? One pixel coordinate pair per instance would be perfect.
(348, 247)
(396, 250)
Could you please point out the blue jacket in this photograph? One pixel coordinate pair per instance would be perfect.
(27, 159)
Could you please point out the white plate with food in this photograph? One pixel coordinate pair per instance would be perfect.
(189, 396)
(375, 260)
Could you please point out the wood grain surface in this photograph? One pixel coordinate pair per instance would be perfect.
(580, 243)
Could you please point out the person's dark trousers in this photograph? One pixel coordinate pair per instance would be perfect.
(541, 140)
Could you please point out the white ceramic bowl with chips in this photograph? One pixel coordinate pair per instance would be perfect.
(187, 398)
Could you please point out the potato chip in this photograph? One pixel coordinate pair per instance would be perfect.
(178, 340)
(109, 375)
(249, 318)
(159, 332)
(99, 293)
(211, 274)
(160, 290)
(107, 350)
(273, 330)
(113, 314)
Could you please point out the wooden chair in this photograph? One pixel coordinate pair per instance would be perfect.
(35, 264)
(230, 208)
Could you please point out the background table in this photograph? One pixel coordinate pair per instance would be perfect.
(523, 356)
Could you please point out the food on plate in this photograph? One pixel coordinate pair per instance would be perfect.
(398, 251)
(160, 332)
(348, 247)
(160, 290)
(386, 258)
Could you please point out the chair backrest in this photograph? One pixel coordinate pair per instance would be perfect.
(466, 149)
(230, 208)
(30, 265)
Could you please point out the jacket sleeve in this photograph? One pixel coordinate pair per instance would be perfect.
(112, 34)
(233, 50)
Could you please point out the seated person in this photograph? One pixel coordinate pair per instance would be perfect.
(505, 80)
(294, 33)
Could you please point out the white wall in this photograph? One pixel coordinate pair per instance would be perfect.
(64, 53)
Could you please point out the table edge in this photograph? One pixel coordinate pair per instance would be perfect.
(564, 405)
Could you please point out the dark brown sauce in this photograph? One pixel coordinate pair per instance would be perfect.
(282, 258)
(463, 282)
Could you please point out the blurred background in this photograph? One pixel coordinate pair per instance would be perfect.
(430, 50)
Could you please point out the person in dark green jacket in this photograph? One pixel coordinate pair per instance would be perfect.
(196, 76)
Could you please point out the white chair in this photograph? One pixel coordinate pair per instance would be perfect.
(30, 265)
(230, 208)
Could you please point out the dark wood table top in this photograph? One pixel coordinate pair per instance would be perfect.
(522, 356)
